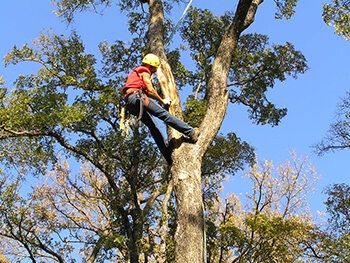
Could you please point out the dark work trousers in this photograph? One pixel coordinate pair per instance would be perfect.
(154, 109)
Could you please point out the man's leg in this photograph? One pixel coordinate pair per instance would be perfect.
(133, 106)
(158, 111)
(157, 135)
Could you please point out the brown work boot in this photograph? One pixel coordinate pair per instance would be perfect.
(195, 135)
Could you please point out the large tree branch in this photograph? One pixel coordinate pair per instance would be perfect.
(164, 72)
(65, 144)
(217, 92)
(156, 28)
(99, 245)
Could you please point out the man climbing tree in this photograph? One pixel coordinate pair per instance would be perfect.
(141, 100)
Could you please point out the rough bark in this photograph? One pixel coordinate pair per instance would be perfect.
(164, 72)
(3, 259)
(189, 237)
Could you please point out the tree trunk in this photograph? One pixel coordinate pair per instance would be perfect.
(189, 237)
(3, 259)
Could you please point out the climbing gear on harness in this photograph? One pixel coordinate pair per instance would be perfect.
(140, 94)
(144, 101)
(152, 60)
(143, 98)
(124, 121)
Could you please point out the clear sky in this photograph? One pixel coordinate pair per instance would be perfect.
(311, 99)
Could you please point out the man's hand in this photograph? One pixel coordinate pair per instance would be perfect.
(166, 102)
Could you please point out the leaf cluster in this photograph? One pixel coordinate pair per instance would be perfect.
(256, 65)
(337, 14)
(30, 224)
(285, 8)
(68, 9)
(338, 204)
(64, 97)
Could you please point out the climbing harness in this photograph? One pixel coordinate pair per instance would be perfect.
(124, 120)
(135, 86)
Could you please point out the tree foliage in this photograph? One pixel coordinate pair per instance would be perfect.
(338, 135)
(338, 203)
(337, 14)
(72, 218)
(269, 223)
(336, 239)
(256, 65)
(68, 215)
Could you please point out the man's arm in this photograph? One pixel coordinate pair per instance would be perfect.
(151, 92)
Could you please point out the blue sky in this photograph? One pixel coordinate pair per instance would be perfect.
(311, 99)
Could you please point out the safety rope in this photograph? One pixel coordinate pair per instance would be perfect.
(140, 95)
(204, 236)
(179, 21)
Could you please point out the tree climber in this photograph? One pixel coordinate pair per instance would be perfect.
(142, 99)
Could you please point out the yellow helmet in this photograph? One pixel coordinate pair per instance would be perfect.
(152, 60)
